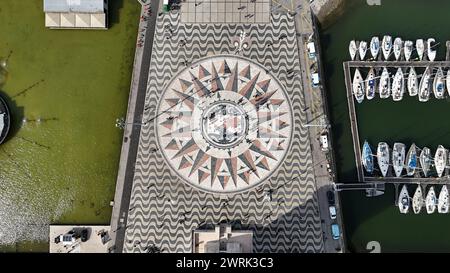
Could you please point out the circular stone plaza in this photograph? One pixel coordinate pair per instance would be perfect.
(220, 141)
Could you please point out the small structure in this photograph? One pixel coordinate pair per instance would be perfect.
(76, 14)
(311, 50)
(324, 141)
(222, 240)
(79, 239)
(315, 79)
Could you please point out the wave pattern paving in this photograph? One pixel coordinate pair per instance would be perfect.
(164, 210)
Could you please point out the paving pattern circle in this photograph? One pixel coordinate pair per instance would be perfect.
(224, 124)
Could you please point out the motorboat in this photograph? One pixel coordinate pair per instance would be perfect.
(425, 160)
(408, 49)
(440, 160)
(367, 157)
(439, 84)
(374, 47)
(411, 160)
(417, 200)
(352, 49)
(370, 84)
(358, 86)
(447, 80)
(430, 200)
(384, 88)
(362, 50)
(398, 45)
(413, 83)
(398, 85)
(431, 52)
(425, 85)
(442, 205)
(398, 158)
(386, 46)
(420, 47)
(383, 157)
(403, 200)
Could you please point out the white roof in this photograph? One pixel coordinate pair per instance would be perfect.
(80, 6)
(75, 20)
(315, 78)
(324, 140)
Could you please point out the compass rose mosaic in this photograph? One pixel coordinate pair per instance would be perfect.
(224, 124)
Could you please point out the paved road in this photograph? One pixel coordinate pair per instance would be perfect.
(316, 110)
(131, 132)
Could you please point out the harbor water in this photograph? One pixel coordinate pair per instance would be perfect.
(408, 121)
(65, 89)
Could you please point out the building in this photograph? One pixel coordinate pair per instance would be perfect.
(311, 50)
(222, 240)
(76, 14)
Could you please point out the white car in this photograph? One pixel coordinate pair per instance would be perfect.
(332, 210)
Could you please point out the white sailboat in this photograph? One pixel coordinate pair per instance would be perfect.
(425, 85)
(384, 88)
(398, 158)
(408, 49)
(447, 80)
(352, 49)
(403, 200)
(430, 201)
(375, 47)
(411, 160)
(439, 84)
(440, 160)
(413, 83)
(417, 200)
(398, 45)
(431, 52)
(358, 86)
(425, 160)
(442, 205)
(386, 46)
(383, 157)
(370, 84)
(398, 86)
(420, 47)
(362, 50)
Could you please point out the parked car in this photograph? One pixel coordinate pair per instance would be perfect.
(332, 210)
(330, 196)
(84, 235)
(335, 231)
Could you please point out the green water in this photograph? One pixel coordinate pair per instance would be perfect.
(62, 169)
(377, 219)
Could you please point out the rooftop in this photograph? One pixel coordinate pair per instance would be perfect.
(77, 6)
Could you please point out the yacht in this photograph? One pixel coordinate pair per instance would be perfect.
(425, 160)
(424, 86)
(447, 81)
(358, 86)
(367, 157)
(370, 84)
(417, 200)
(398, 158)
(411, 160)
(398, 86)
(439, 84)
(403, 200)
(385, 84)
(5, 120)
(430, 201)
(408, 50)
(413, 83)
(374, 47)
(386, 46)
(420, 47)
(431, 52)
(362, 50)
(440, 160)
(352, 49)
(442, 205)
(383, 157)
(398, 44)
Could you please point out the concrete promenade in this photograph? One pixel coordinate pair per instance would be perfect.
(132, 126)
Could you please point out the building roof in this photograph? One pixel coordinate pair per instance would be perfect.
(79, 6)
